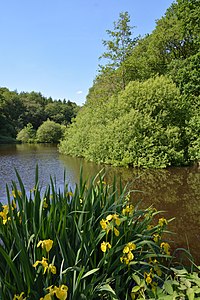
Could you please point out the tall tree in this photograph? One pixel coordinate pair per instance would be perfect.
(188, 13)
(119, 47)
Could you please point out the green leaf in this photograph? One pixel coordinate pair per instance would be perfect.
(136, 278)
(197, 291)
(108, 288)
(13, 268)
(168, 287)
(179, 271)
(90, 273)
(190, 294)
(135, 289)
(182, 287)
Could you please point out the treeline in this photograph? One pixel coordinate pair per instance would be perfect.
(26, 112)
(144, 106)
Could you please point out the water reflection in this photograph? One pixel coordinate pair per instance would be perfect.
(25, 158)
(175, 190)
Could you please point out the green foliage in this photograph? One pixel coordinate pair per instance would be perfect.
(11, 110)
(143, 126)
(18, 110)
(92, 240)
(119, 48)
(34, 104)
(180, 285)
(49, 132)
(60, 112)
(174, 39)
(27, 134)
(186, 74)
(193, 133)
(188, 12)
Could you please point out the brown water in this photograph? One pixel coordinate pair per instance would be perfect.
(175, 190)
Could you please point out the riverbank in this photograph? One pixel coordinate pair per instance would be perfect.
(7, 140)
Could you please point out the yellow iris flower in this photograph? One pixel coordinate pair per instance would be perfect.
(45, 244)
(129, 247)
(127, 253)
(109, 217)
(116, 219)
(45, 204)
(128, 210)
(19, 297)
(162, 222)
(116, 231)
(14, 194)
(50, 268)
(46, 297)
(109, 223)
(165, 247)
(4, 214)
(148, 277)
(61, 292)
(43, 262)
(104, 224)
(105, 246)
(156, 237)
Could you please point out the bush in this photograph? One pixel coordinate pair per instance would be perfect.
(90, 243)
(27, 134)
(49, 132)
(143, 126)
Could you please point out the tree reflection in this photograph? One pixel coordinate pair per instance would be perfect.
(176, 191)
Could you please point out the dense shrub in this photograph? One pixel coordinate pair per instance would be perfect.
(27, 134)
(49, 132)
(143, 126)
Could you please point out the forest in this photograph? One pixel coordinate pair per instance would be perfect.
(143, 109)
(27, 116)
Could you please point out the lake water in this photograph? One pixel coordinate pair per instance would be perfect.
(175, 190)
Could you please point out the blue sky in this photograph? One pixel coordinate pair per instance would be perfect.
(52, 46)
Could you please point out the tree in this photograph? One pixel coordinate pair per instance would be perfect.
(188, 12)
(175, 38)
(119, 47)
(11, 111)
(61, 112)
(186, 74)
(27, 134)
(34, 112)
(49, 132)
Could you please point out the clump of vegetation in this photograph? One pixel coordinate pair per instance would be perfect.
(27, 134)
(145, 125)
(88, 243)
(50, 132)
